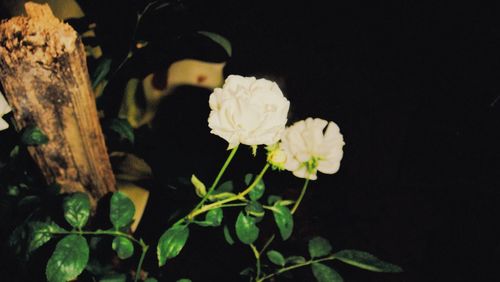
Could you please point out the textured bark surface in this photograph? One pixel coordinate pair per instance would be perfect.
(44, 74)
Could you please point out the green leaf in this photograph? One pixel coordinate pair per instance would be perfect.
(41, 234)
(325, 273)
(199, 187)
(259, 188)
(276, 257)
(115, 277)
(33, 135)
(212, 218)
(123, 128)
(227, 236)
(284, 220)
(246, 230)
(273, 199)
(101, 71)
(219, 39)
(68, 260)
(366, 261)
(15, 152)
(319, 247)
(227, 186)
(295, 260)
(184, 280)
(254, 208)
(77, 209)
(171, 243)
(247, 271)
(124, 247)
(121, 211)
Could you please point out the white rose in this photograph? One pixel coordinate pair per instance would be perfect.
(309, 149)
(249, 111)
(4, 109)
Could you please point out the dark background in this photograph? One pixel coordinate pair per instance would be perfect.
(414, 89)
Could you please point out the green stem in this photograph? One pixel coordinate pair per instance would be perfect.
(269, 241)
(257, 260)
(191, 214)
(141, 260)
(285, 269)
(302, 193)
(240, 196)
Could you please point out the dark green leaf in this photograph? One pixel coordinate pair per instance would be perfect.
(276, 257)
(366, 261)
(295, 260)
(254, 209)
(101, 71)
(227, 186)
(272, 199)
(115, 277)
(246, 230)
(123, 128)
(258, 191)
(219, 39)
(212, 218)
(319, 247)
(247, 271)
(13, 190)
(29, 202)
(124, 247)
(184, 280)
(77, 209)
(171, 243)
(325, 273)
(15, 152)
(248, 179)
(33, 135)
(284, 220)
(199, 187)
(41, 233)
(227, 236)
(68, 260)
(122, 210)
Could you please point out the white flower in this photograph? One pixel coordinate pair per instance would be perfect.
(4, 109)
(308, 149)
(249, 111)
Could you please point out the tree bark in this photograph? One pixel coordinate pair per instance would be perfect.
(44, 74)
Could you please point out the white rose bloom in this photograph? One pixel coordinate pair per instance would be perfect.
(249, 111)
(4, 109)
(308, 149)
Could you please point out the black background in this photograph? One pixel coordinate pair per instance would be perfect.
(413, 88)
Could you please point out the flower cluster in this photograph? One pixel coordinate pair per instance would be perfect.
(4, 109)
(254, 112)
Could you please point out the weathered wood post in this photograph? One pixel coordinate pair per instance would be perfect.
(44, 74)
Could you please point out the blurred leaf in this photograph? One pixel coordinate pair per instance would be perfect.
(77, 209)
(115, 277)
(273, 199)
(325, 273)
(41, 233)
(227, 186)
(14, 152)
(101, 71)
(184, 280)
(171, 243)
(199, 187)
(284, 220)
(295, 260)
(121, 210)
(319, 247)
(68, 260)
(123, 128)
(212, 218)
(246, 230)
(227, 236)
(248, 179)
(366, 261)
(123, 247)
(151, 279)
(254, 208)
(219, 39)
(33, 135)
(276, 257)
(247, 271)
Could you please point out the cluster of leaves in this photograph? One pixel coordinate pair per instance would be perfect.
(320, 250)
